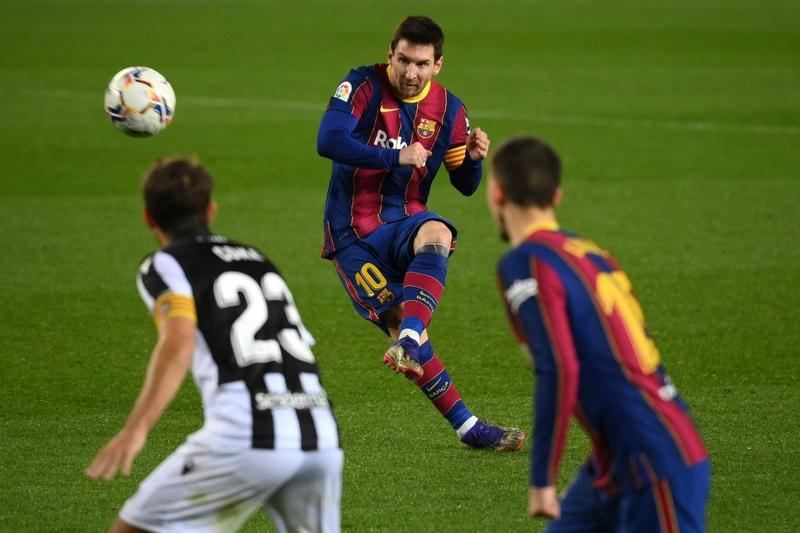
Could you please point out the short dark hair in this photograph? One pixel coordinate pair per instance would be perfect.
(420, 30)
(177, 193)
(528, 170)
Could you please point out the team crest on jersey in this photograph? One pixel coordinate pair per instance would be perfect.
(385, 296)
(426, 128)
(343, 91)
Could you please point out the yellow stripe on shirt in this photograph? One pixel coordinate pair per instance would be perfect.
(170, 305)
(454, 157)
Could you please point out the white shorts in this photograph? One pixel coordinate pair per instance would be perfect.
(198, 490)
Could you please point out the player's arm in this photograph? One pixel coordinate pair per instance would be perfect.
(335, 141)
(465, 154)
(166, 371)
(335, 136)
(536, 304)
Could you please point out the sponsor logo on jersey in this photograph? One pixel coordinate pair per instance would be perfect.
(426, 128)
(294, 400)
(389, 109)
(382, 139)
(343, 91)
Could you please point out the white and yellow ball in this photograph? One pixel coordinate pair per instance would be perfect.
(140, 101)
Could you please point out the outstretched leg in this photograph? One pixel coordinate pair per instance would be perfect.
(423, 286)
(425, 278)
(412, 354)
(438, 386)
(435, 382)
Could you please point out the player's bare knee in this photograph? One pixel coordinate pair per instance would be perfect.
(433, 237)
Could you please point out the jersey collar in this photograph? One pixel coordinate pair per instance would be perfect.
(192, 233)
(414, 99)
(548, 225)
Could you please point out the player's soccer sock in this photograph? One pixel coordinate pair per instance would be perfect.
(437, 385)
(423, 286)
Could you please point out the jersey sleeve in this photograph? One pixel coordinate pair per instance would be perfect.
(536, 305)
(465, 174)
(164, 288)
(353, 94)
(335, 136)
(457, 146)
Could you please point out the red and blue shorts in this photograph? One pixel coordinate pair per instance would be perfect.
(372, 269)
(670, 505)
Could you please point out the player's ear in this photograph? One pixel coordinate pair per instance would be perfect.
(437, 65)
(557, 196)
(389, 55)
(148, 219)
(495, 192)
(211, 211)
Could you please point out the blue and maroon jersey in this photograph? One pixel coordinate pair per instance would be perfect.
(575, 310)
(363, 130)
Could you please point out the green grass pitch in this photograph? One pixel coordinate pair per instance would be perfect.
(679, 126)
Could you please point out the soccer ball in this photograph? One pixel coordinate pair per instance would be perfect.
(140, 101)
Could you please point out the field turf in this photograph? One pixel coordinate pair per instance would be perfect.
(679, 126)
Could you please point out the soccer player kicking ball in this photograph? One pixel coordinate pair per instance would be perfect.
(388, 128)
(573, 308)
(269, 440)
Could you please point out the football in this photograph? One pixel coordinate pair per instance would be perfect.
(140, 101)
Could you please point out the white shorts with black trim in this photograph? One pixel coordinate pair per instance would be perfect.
(198, 490)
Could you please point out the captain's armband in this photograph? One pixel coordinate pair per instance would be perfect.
(454, 157)
(170, 305)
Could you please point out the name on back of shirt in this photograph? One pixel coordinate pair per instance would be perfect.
(237, 253)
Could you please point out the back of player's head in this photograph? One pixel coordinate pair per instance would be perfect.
(177, 193)
(420, 30)
(528, 170)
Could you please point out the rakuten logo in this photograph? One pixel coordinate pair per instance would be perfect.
(382, 139)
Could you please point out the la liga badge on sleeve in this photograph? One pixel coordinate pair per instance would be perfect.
(343, 91)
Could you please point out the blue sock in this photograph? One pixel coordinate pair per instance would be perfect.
(423, 286)
(437, 385)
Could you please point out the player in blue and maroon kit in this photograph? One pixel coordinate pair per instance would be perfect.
(573, 308)
(388, 129)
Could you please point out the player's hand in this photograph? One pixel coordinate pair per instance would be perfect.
(543, 501)
(415, 155)
(117, 455)
(478, 144)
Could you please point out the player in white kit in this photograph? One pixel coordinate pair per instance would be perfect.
(270, 440)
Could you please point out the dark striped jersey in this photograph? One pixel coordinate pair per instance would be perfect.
(253, 364)
(363, 130)
(572, 306)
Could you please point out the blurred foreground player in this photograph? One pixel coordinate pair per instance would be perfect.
(388, 129)
(574, 309)
(269, 440)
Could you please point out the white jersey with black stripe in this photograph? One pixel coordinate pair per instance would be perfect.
(253, 363)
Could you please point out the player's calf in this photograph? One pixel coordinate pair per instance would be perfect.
(425, 278)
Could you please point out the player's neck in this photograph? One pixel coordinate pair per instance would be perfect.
(165, 239)
(518, 221)
(162, 238)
